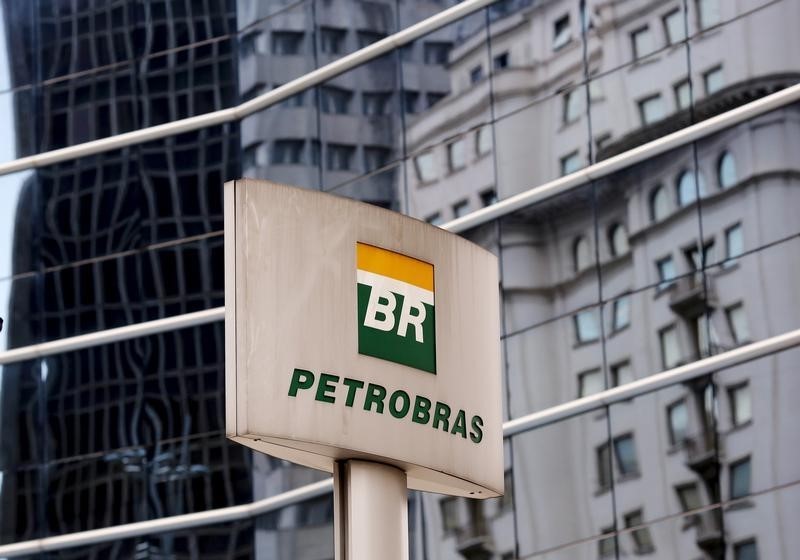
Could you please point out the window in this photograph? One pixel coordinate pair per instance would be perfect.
(683, 95)
(734, 243)
(622, 313)
(366, 38)
(581, 257)
(726, 171)
(642, 542)
(570, 163)
(425, 167)
(254, 91)
(375, 157)
(696, 260)
(706, 335)
(251, 43)
(586, 326)
(670, 351)
(573, 105)
(688, 496)
(714, 80)
(625, 453)
(437, 52)
(298, 99)
(740, 478)
(340, 157)
(737, 321)
(410, 101)
(688, 188)
(434, 219)
(449, 509)
(617, 240)
(476, 74)
(483, 140)
(674, 27)
(590, 382)
(708, 12)
(659, 204)
(678, 418)
(603, 466)
(335, 100)
(287, 152)
(456, 155)
(621, 374)
(607, 546)
(250, 156)
(375, 103)
(501, 61)
(741, 404)
(651, 109)
(488, 197)
(562, 34)
(666, 272)
(745, 550)
(461, 208)
(642, 42)
(434, 98)
(331, 40)
(287, 42)
(318, 511)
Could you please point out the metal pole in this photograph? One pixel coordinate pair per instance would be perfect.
(370, 511)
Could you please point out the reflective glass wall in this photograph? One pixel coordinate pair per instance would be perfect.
(686, 255)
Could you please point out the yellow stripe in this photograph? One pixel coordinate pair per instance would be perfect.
(394, 265)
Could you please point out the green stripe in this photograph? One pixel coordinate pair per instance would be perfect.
(390, 346)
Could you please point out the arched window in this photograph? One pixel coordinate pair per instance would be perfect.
(659, 204)
(688, 189)
(617, 240)
(581, 257)
(727, 170)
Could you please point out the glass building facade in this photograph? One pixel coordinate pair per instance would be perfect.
(688, 254)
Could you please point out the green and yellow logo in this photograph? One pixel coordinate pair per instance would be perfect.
(396, 319)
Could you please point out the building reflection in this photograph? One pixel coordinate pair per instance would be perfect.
(679, 257)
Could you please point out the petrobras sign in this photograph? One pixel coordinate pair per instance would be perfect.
(353, 332)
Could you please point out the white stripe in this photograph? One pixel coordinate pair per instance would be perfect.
(397, 286)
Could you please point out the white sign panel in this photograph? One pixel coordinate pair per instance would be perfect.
(353, 332)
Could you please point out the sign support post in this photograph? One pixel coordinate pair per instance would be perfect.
(370, 511)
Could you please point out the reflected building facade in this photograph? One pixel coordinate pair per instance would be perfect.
(678, 257)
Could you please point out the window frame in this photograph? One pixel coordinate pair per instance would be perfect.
(642, 31)
(615, 326)
(632, 470)
(736, 336)
(664, 20)
(659, 191)
(732, 467)
(662, 349)
(642, 111)
(736, 422)
(593, 312)
(674, 440)
(563, 36)
(726, 156)
(582, 376)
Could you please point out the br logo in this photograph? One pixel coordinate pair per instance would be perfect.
(396, 319)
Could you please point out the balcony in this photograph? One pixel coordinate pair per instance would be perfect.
(702, 454)
(709, 533)
(689, 297)
(473, 539)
